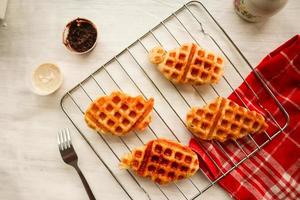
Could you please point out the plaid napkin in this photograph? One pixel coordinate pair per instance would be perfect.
(274, 171)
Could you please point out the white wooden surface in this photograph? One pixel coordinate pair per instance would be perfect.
(30, 164)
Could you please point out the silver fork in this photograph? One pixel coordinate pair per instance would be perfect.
(69, 156)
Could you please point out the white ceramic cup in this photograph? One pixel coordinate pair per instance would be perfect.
(46, 79)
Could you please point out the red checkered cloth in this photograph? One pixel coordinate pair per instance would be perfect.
(274, 171)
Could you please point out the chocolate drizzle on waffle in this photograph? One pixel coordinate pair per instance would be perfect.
(162, 160)
(223, 119)
(119, 113)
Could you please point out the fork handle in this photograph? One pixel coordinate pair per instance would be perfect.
(85, 184)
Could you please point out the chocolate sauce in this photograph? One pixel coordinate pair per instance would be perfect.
(82, 35)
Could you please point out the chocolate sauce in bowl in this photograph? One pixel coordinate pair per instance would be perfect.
(81, 36)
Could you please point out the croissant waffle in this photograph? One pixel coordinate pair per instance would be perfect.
(188, 64)
(163, 161)
(119, 113)
(223, 119)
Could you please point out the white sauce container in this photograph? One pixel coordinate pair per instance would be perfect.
(46, 79)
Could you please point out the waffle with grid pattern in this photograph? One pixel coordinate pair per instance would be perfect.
(162, 160)
(119, 113)
(223, 119)
(188, 63)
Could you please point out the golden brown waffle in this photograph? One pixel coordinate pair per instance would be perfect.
(223, 119)
(119, 113)
(188, 64)
(162, 160)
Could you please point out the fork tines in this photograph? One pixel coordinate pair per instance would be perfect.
(64, 139)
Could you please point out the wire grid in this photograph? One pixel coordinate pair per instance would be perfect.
(131, 72)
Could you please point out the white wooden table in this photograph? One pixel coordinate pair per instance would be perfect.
(30, 164)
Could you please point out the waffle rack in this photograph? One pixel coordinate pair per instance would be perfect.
(130, 71)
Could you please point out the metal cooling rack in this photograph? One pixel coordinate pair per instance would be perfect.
(130, 71)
